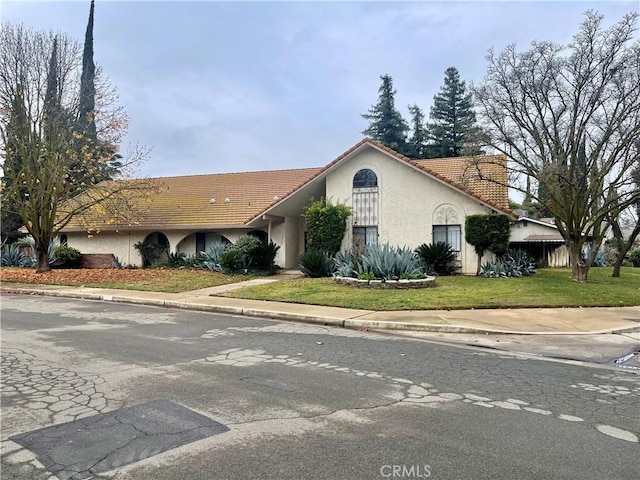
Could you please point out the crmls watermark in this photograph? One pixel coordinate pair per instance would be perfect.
(405, 471)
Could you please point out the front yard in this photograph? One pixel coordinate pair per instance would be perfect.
(148, 279)
(549, 288)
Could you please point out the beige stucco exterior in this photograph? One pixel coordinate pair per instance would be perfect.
(410, 203)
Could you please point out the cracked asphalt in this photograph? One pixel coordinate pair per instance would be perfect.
(299, 401)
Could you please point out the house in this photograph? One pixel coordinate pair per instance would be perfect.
(394, 199)
(541, 240)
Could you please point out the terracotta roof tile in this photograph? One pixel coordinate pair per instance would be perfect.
(187, 200)
(482, 176)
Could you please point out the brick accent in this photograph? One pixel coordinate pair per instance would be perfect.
(96, 260)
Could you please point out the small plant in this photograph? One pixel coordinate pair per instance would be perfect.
(231, 261)
(439, 257)
(176, 260)
(366, 276)
(117, 263)
(67, 256)
(493, 270)
(151, 252)
(13, 256)
(315, 264)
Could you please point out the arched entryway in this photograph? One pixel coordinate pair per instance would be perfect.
(154, 249)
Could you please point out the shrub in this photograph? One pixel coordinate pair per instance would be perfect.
(633, 257)
(264, 256)
(316, 263)
(176, 260)
(13, 256)
(151, 252)
(326, 225)
(488, 233)
(67, 256)
(231, 261)
(438, 257)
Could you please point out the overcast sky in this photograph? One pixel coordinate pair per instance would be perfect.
(233, 86)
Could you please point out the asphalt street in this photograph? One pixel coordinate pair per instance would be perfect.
(102, 390)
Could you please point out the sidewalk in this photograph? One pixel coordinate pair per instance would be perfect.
(536, 321)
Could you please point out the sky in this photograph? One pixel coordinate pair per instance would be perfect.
(214, 87)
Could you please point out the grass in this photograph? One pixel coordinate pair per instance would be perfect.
(148, 279)
(549, 288)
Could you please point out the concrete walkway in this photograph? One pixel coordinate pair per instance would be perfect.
(535, 321)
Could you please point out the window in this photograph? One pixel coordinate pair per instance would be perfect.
(450, 234)
(63, 239)
(364, 179)
(365, 209)
(364, 236)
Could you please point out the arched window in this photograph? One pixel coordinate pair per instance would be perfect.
(365, 208)
(365, 178)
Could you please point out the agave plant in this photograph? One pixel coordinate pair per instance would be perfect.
(30, 242)
(346, 264)
(13, 256)
(389, 263)
(210, 258)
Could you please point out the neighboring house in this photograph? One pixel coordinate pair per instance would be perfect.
(394, 200)
(541, 240)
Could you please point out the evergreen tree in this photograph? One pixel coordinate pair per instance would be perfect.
(10, 220)
(386, 124)
(105, 162)
(417, 147)
(86, 111)
(453, 119)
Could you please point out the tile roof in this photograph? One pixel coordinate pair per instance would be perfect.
(482, 176)
(187, 200)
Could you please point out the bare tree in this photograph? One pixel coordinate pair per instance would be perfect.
(51, 172)
(567, 117)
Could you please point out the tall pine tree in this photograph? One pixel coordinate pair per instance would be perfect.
(453, 121)
(386, 124)
(417, 146)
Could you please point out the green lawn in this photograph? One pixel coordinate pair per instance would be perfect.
(549, 288)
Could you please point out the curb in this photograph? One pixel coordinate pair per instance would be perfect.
(351, 323)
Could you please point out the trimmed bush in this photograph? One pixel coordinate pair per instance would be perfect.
(326, 225)
(67, 256)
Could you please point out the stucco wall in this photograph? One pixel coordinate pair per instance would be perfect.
(519, 231)
(408, 203)
(121, 244)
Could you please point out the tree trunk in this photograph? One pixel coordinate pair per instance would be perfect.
(621, 254)
(43, 261)
(579, 268)
(479, 264)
